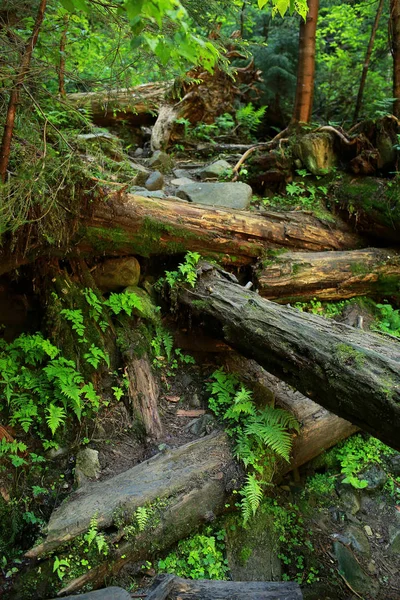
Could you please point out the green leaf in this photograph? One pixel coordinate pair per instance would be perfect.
(55, 417)
(262, 3)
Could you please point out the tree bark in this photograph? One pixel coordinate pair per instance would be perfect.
(306, 65)
(367, 61)
(174, 588)
(125, 225)
(394, 25)
(354, 374)
(301, 276)
(143, 392)
(5, 147)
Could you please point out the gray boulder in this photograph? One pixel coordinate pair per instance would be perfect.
(214, 170)
(87, 466)
(117, 273)
(154, 182)
(182, 181)
(230, 195)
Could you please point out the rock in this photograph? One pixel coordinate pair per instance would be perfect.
(87, 466)
(353, 574)
(116, 273)
(375, 476)
(349, 499)
(231, 195)
(251, 552)
(202, 426)
(181, 173)
(194, 401)
(138, 152)
(394, 464)
(316, 152)
(110, 593)
(182, 181)
(142, 173)
(161, 160)
(357, 540)
(54, 453)
(149, 310)
(394, 539)
(176, 199)
(141, 191)
(214, 170)
(154, 182)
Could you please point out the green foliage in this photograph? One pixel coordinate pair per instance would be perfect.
(93, 535)
(61, 566)
(40, 387)
(198, 557)
(330, 310)
(260, 434)
(322, 485)
(124, 302)
(186, 273)
(295, 545)
(300, 195)
(388, 320)
(355, 454)
(249, 118)
(142, 516)
(165, 356)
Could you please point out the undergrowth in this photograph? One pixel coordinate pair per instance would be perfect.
(260, 435)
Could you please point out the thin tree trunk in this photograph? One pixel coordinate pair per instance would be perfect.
(14, 95)
(395, 45)
(367, 61)
(61, 68)
(306, 66)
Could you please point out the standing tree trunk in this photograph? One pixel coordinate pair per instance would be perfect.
(394, 26)
(61, 67)
(306, 66)
(14, 95)
(367, 61)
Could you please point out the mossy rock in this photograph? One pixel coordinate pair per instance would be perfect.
(149, 310)
(316, 152)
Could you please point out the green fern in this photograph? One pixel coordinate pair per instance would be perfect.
(124, 302)
(249, 118)
(252, 493)
(142, 517)
(95, 355)
(76, 318)
(55, 417)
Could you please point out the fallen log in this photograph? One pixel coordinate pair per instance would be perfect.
(299, 276)
(354, 374)
(138, 105)
(127, 224)
(170, 587)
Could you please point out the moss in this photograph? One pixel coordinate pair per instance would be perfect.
(347, 355)
(199, 304)
(359, 269)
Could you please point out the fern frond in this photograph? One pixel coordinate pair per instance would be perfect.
(274, 436)
(55, 417)
(252, 493)
(142, 516)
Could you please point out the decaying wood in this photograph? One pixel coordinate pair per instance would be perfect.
(299, 276)
(354, 374)
(130, 104)
(127, 224)
(143, 392)
(186, 486)
(170, 587)
(319, 428)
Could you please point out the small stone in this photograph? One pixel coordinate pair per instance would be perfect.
(349, 499)
(156, 194)
(375, 476)
(138, 152)
(194, 401)
(368, 530)
(214, 170)
(161, 160)
(154, 182)
(179, 173)
(56, 452)
(358, 540)
(87, 466)
(182, 181)
(116, 273)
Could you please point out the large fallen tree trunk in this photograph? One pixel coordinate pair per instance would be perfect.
(122, 224)
(354, 374)
(295, 276)
(146, 226)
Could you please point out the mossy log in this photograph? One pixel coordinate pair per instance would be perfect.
(127, 224)
(354, 374)
(138, 105)
(371, 205)
(144, 392)
(170, 587)
(299, 276)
